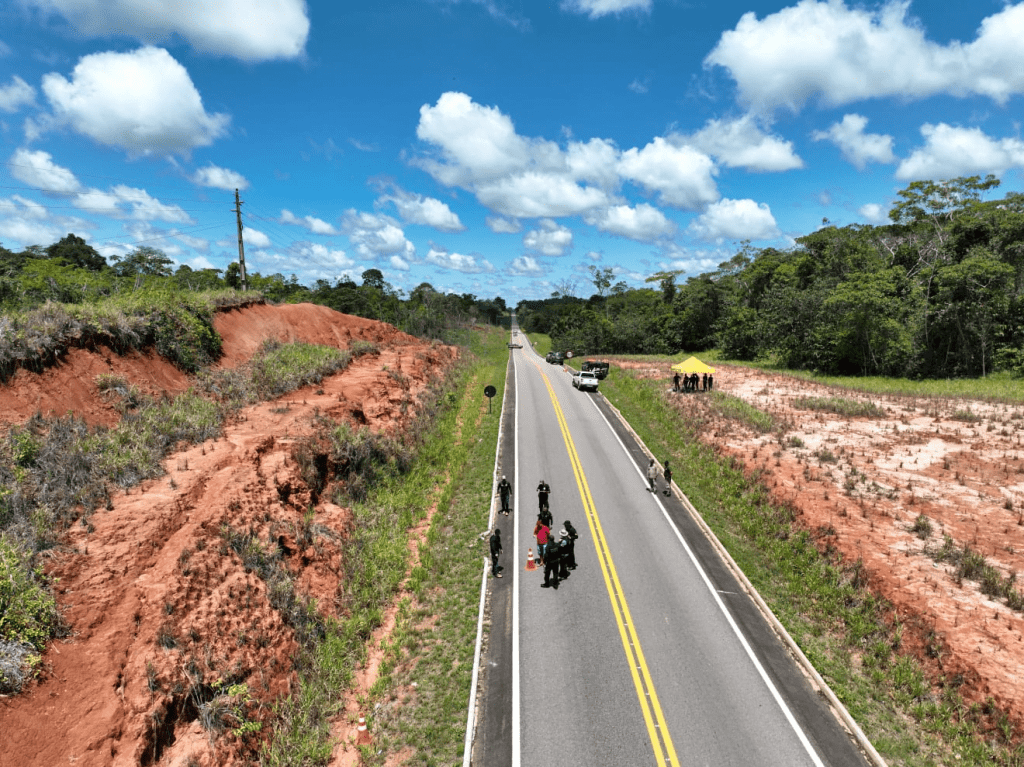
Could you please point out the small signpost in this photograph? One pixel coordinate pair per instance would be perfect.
(489, 391)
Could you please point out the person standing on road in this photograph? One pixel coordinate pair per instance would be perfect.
(542, 532)
(543, 489)
(495, 552)
(569, 552)
(505, 491)
(551, 560)
(652, 476)
(563, 554)
(668, 478)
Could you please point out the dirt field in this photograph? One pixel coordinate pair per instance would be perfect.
(958, 463)
(156, 599)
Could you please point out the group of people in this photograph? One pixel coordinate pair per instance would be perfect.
(652, 477)
(556, 553)
(693, 382)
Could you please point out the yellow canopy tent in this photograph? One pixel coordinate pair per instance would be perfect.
(692, 365)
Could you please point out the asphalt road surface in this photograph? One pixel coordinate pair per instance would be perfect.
(649, 653)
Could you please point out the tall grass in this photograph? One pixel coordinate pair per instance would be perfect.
(850, 408)
(823, 601)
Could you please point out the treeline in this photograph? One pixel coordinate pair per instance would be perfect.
(936, 293)
(73, 272)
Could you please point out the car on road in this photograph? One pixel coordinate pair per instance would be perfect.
(555, 358)
(585, 380)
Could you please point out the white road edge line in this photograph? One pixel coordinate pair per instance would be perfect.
(721, 606)
(517, 745)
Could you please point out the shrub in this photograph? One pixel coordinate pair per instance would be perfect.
(28, 614)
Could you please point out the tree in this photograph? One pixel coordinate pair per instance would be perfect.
(77, 252)
(602, 278)
(145, 261)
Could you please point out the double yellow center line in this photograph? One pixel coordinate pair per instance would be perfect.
(661, 741)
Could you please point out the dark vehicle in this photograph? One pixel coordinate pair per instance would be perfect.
(600, 369)
(555, 358)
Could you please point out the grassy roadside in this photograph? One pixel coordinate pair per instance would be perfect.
(842, 627)
(428, 661)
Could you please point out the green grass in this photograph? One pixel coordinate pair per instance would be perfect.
(541, 342)
(850, 408)
(451, 470)
(822, 601)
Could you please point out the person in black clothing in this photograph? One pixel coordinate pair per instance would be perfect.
(495, 552)
(543, 489)
(569, 552)
(711, 382)
(545, 516)
(675, 382)
(704, 383)
(552, 558)
(668, 479)
(505, 491)
(563, 554)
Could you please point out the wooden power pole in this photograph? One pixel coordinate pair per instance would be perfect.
(241, 246)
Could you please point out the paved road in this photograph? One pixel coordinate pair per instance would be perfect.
(648, 654)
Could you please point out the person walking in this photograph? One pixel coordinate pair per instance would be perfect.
(652, 476)
(544, 515)
(543, 490)
(563, 554)
(505, 491)
(668, 478)
(569, 552)
(552, 559)
(495, 552)
(542, 532)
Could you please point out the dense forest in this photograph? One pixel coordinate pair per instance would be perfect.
(73, 272)
(939, 292)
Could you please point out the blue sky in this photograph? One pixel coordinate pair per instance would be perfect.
(493, 147)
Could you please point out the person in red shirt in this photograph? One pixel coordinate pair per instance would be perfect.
(542, 532)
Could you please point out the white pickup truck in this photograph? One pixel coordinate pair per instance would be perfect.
(584, 379)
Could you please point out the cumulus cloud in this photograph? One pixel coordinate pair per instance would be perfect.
(950, 152)
(535, 195)
(418, 209)
(143, 101)
(38, 169)
(644, 222)
(681, 175)
(312, 223)
(838, 54)
(252, 30)
(595, 9)
(375, 235)
(524, 265)
(742, 144)
(255, 238)
(551, 239)
(874, 213)
(16, 95)
(859, 148)
(457, 262)
(500, 225)
(220, 178)
(736, 220)
(123, 201)
(26, 222)
(399, 263)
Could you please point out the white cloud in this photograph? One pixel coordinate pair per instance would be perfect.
(312, 223)
(16, 95)
(127, 202)
(874, 213)
(322, 256)
(644, 222)
(595, 161)
(26, 222)
(950, 152)
(525, 265)
(457, 262)
(417, 209)
(500, 225)
(535, 195)
(682, 175)
(736, 220)
(598, 8)
(742, 144)
(38, 169)
(859, 148)
(841, 54)
(255, 238)
(220, 178)
(551, 239)
(143, 101)
(399, 263)
(253, 30)
(376, 235)
(594, 255)
(639, 86)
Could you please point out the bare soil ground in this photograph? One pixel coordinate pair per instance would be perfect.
(160, 607)
(865, 480)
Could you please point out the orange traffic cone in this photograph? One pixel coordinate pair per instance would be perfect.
(362, 734)
(530, 564)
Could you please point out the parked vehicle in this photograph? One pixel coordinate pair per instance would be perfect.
(555, 358)
(600, 369)
(584, 380)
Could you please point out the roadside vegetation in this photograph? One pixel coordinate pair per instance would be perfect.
(849, 635)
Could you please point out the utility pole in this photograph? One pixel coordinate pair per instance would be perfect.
(241, 247)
